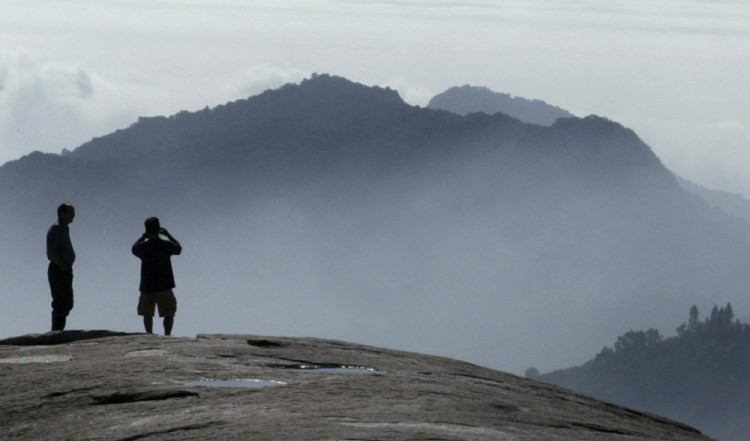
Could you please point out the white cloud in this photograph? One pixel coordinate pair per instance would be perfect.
(411, 93)
(48, 106)
(257, 79)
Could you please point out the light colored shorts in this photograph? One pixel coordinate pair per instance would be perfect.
(165, 300)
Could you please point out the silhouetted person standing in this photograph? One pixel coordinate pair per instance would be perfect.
(60, 270)
(157, 278)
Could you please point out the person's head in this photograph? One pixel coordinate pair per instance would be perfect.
(152, 226)
(65, 213)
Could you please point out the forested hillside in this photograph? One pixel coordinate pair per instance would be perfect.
(701, 376)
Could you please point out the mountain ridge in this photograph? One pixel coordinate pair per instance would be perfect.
(327, 124)
(732, 203)
(328, 98)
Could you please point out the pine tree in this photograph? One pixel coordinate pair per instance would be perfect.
(693, 319)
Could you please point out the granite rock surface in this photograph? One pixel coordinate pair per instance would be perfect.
(101, 385)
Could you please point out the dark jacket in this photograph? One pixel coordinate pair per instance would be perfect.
(58, 237)
(156, 266)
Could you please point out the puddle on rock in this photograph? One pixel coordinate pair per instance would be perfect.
(237, 383)
(36, 359)
(333, 369)
(146, 353)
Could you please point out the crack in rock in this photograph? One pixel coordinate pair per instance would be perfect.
(66, 392)
(173, 430)
(148, 395)
(263, 343)
(603, 429)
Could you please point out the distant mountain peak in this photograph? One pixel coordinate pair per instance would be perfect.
(316, 102)
(468, 99)
(337, 117)
(334, 89)
(335, 82)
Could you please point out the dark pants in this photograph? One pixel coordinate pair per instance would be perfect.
(61, 287)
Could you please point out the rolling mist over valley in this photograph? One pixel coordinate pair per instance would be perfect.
(336, 210)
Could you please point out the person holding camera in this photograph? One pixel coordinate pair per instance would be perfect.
(157, 277)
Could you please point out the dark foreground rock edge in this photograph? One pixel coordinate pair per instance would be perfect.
(60, 337)
(105, 385)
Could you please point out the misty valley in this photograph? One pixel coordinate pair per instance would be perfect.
(336, 210)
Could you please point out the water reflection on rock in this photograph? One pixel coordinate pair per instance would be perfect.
(237, 383)
(331, 369)
(36, 359)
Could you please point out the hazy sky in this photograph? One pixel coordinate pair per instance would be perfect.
(674, 71)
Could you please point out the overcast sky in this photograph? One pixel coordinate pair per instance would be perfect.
(674, 71)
